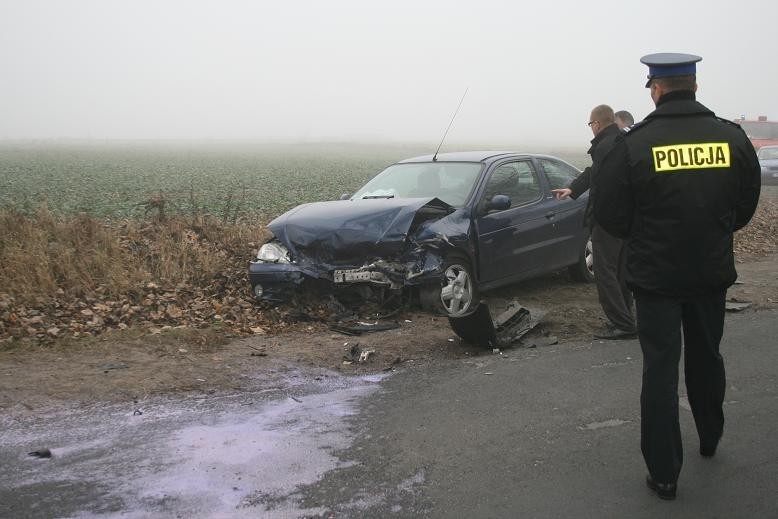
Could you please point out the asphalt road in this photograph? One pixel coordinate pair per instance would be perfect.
(545, 432)
(554, 432)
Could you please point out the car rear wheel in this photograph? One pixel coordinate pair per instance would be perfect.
(583, 270)
(457, 294)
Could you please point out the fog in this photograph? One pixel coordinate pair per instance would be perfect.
(365, 71)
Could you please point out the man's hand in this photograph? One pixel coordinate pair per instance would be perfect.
(562, 194)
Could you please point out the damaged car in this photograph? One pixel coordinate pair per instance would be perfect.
(438, 229)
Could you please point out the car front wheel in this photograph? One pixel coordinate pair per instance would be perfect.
(457, 295)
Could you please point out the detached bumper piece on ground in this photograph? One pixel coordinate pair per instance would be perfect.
(508, 327)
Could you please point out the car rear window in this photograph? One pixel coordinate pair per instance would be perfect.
(559, 174)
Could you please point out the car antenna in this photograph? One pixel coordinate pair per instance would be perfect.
(435, 157)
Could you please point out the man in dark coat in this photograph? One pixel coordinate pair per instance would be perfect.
(615, 298)
(676, 187)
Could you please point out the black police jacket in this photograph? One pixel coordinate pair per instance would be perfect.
(600, 146)
(676, 186)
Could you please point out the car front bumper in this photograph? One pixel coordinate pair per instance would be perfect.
(274, 281)
(277, 282)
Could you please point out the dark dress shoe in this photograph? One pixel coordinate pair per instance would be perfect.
(663, 490)
(615, 333)
(709, 450)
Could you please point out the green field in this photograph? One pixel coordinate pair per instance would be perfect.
(112, 179)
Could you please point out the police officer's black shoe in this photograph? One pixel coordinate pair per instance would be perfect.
(662, 490)
(709, 450)
(615, 333)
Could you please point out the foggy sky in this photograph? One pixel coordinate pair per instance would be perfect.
(361, 70)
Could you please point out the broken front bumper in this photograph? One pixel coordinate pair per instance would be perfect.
(277, 281)
(480, 329)
(274, 281)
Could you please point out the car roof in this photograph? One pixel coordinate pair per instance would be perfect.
(464, 156)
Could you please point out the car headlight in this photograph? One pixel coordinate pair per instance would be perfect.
(273, 252)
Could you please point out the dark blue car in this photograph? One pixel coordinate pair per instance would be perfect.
(440, 228)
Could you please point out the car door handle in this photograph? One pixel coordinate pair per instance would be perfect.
(550, 215)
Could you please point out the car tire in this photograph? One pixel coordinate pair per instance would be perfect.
(457, 295)
(583, 269)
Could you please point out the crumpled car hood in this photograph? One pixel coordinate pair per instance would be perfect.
(347, 230)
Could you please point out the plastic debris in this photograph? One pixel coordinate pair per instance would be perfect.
(508, 327)
(359, 327)
(40, 453)
(357, 354)
(734, 306)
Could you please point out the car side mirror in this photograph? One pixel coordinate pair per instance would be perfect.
(499, 203)
(345, 196)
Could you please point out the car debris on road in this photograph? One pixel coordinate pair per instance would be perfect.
(480, 329)
(356, 354)
(360, 327)
(40, 453)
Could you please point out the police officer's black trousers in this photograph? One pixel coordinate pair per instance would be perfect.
(660, 322)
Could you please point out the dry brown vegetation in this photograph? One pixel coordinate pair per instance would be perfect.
(79, 276)
(760, 236)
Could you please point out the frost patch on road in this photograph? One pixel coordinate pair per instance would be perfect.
(607, 423)
(245, 464)
(230, 457)
(614, 364)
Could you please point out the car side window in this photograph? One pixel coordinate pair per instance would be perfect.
(559, 175)
(514, 179)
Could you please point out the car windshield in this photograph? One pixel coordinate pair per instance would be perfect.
(767, 153)
(452, 182)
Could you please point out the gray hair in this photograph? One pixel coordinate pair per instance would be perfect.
(625, 117)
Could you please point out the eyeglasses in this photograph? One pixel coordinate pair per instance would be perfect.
(590, 123)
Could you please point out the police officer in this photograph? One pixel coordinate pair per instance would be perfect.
(676, 186)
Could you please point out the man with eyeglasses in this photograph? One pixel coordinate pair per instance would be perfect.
(613, 294)
(676, 187)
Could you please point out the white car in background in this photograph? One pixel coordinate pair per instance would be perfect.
(768, 159)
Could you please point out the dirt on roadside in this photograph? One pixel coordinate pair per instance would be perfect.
(133, 365)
